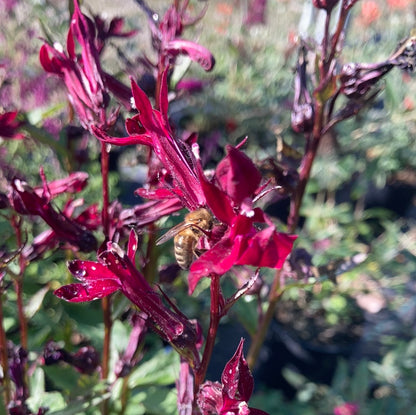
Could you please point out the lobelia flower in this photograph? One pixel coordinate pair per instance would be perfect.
(185, 388)
(302, 117)
(130, 356)
(86, 82)
(357, 79)
(29, 201)
(107, 30)
(230, 194)
(115, 270)
(166, 34)
(231, 396)
(9, 126)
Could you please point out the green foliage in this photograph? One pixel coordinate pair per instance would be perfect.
(253, 89)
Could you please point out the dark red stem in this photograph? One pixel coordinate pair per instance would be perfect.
(106, 301)
(3, 356)
(215, 316)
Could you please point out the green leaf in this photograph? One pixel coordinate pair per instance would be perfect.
(35, 302)
(161, 369)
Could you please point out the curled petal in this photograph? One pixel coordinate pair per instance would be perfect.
(74, 183)
(120, 141)
(195, 51)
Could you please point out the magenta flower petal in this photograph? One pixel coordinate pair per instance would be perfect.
(9, 126)
(74, 183)
(87, 271)
(196, 52)
(231, 396)
(26, 202)
(236, 377)
(185, 388)
(78, 292)
(120, 141)
(134, 127)
(217, 200)
(267, 248)
(219, 259)
(132, 246)
(237, 175)
(144, 107)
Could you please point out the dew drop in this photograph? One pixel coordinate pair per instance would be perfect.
(80, 273)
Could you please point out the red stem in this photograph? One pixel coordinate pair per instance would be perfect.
(104, 174)
(18, 285)
(215, 315)
(3, 356)
(106, 301)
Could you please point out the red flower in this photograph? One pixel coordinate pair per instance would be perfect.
(82, 74)
(230, 195)
(9, 126)
(167, 41)
(231, 396)
(115, 270)
(107, 30)
(28, 201)
(151, 127)
(230, 198)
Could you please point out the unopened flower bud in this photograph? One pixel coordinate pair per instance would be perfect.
(405, 55)
(327, 5)
(302, 118)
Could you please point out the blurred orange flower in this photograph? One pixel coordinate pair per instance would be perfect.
(224, 12)
(224, 9)
(399, 4)
(370, 12)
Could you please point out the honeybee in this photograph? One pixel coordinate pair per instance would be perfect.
(186, 235)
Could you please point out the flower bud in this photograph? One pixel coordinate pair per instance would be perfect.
(327, 5)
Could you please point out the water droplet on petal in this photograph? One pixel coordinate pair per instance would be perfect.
(80, 273)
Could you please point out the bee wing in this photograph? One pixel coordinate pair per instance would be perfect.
(172, 232)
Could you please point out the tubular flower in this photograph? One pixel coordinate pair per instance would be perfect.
(82, 74)
(230, 195)
(357, 79)
(37, 201)
(151, 127)
(115, 270)
(166, 36)
(231, 396)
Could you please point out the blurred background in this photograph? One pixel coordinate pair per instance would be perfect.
(349, 337)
